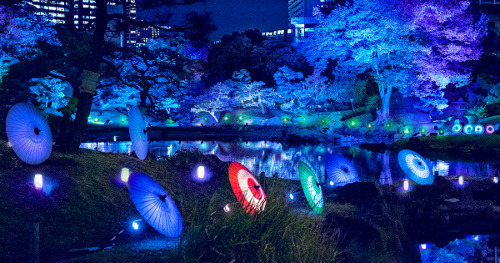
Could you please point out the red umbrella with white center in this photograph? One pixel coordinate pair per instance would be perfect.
(246, 188)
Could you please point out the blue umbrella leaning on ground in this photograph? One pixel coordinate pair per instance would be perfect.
(155, 205)
(138, 132)
(29, 133)
(339, 170)
(415, 167)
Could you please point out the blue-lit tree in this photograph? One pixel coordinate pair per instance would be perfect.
(216, 100)
(250, 93)
(51, 93)
(365, 36)
(450, 32)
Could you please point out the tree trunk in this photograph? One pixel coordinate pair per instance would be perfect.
(72, 142)
(213, 115)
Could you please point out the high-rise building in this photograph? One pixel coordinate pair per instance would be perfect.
(79, 13)
(301, 15)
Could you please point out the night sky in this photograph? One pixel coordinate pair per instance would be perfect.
(233, 15)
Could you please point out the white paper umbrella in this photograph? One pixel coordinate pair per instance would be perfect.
(339, 170)
(155, 205)
(29, 133)
(138, 133)
(415, 167)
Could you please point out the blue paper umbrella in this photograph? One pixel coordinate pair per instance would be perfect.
(155, 205)
(138, 133)
(29, 133)
(415, 167)
(339, 170)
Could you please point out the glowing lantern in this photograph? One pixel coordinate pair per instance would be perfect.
(38, 181)
(406, 185)
(461, 180)
(201, 172)
(124, 174)
(135, 225)
(291, 196)
(468, 129)
(457, 128)
(495, 180)
(489, 129)
(423, 246)
(479, 129)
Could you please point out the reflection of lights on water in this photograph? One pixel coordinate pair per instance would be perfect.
(441, 167)
(227, 209)
(406, 185)
(461, 180)
(201, 172)
(124, 174)
(114, 138)
(38, 181)
(423, 246)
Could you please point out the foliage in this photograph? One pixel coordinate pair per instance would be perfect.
(451, 33)
(216, 100)
(51, 93)
(364, 36)
(458, 251)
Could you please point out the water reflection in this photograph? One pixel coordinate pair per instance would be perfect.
(276, 160)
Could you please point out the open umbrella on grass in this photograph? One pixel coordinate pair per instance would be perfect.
(138, 132)
(311, 187)
(415, 167)
(246, 188)
(339, 170)
(155, 205)
(29, 134)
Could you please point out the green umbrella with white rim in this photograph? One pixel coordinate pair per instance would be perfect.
(311, 187)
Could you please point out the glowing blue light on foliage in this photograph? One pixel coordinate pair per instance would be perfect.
(135, 225)
(38, 181)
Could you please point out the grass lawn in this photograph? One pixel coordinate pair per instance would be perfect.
(88, 206)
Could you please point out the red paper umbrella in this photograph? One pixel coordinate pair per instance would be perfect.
(246, 188)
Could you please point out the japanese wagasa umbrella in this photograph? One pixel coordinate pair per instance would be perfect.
(29, 133)
(311, 187)
(415, 167)
(246, 188)
(155, 205)
(138, 133)
(339, 170)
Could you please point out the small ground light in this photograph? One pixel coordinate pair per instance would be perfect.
(423, 246)
(476, 238)
(406, 185)
(38, 181)
(369, 125)
(227, 209)
(495, 180)
(461, 180)
(114, 138)
(331, 183)
(201, 172)
(135, 225)
(96, 119)
(291, 196)
(124, 174)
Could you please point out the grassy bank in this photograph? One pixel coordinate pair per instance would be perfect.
(89, 205)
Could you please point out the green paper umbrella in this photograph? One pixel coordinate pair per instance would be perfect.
(311, 187)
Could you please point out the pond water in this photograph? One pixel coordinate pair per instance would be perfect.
(277, 160)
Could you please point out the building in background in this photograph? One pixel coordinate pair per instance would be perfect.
(301, 15)
(79, 13)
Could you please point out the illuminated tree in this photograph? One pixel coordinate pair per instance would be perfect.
(451, 32)
(365, 36)
(216, 100)
(51, 93)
